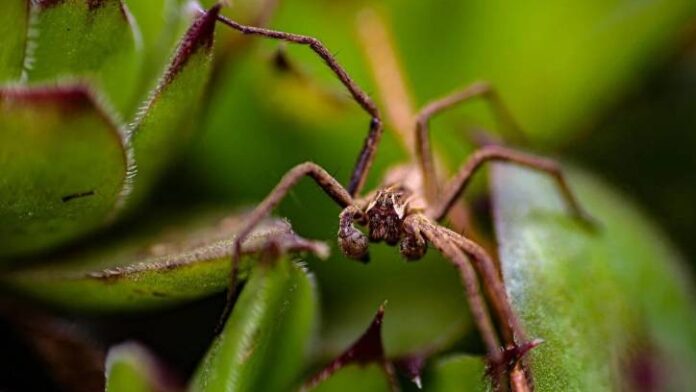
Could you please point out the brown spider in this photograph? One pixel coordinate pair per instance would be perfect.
(407, 208)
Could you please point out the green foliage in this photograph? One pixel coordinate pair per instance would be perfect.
(607, 303)
(153, 267)
(264, 342)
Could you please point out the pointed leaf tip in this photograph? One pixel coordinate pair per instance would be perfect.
(199, 35)
(368, 348)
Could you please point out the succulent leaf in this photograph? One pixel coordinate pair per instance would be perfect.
(612, 306)
(158, 265)
(264, 342)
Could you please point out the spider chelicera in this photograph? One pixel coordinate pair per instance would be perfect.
(406, 210)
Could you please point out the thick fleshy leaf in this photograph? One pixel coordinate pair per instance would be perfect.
(14, 17)
(96, 40)
(130, 367)
(164, 124)
(264, 342)
(457, 373)
(62, 163)
(157, 265)
(613, 306)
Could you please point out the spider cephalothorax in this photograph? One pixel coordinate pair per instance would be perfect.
(385, 214)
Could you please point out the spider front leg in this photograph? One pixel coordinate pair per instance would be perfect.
(367, 153)
(418, 225)
(458, 184)
(342, 196)
(325, 181)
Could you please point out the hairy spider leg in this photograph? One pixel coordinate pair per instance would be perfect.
(477, 305)
(371, 142)
(423, 149)
(454, 246)
(490, 153)
(308, 169)
(486, 268)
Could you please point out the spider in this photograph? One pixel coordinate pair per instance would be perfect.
(408, 208)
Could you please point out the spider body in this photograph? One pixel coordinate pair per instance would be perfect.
(384, 213)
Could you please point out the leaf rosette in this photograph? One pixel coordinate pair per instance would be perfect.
(84, 128)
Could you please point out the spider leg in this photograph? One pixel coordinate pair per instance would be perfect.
(498, 153)
(325, 181)
(374, 136)
(424, 151)
(493, 284)
(454, 247)
(471, 286)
